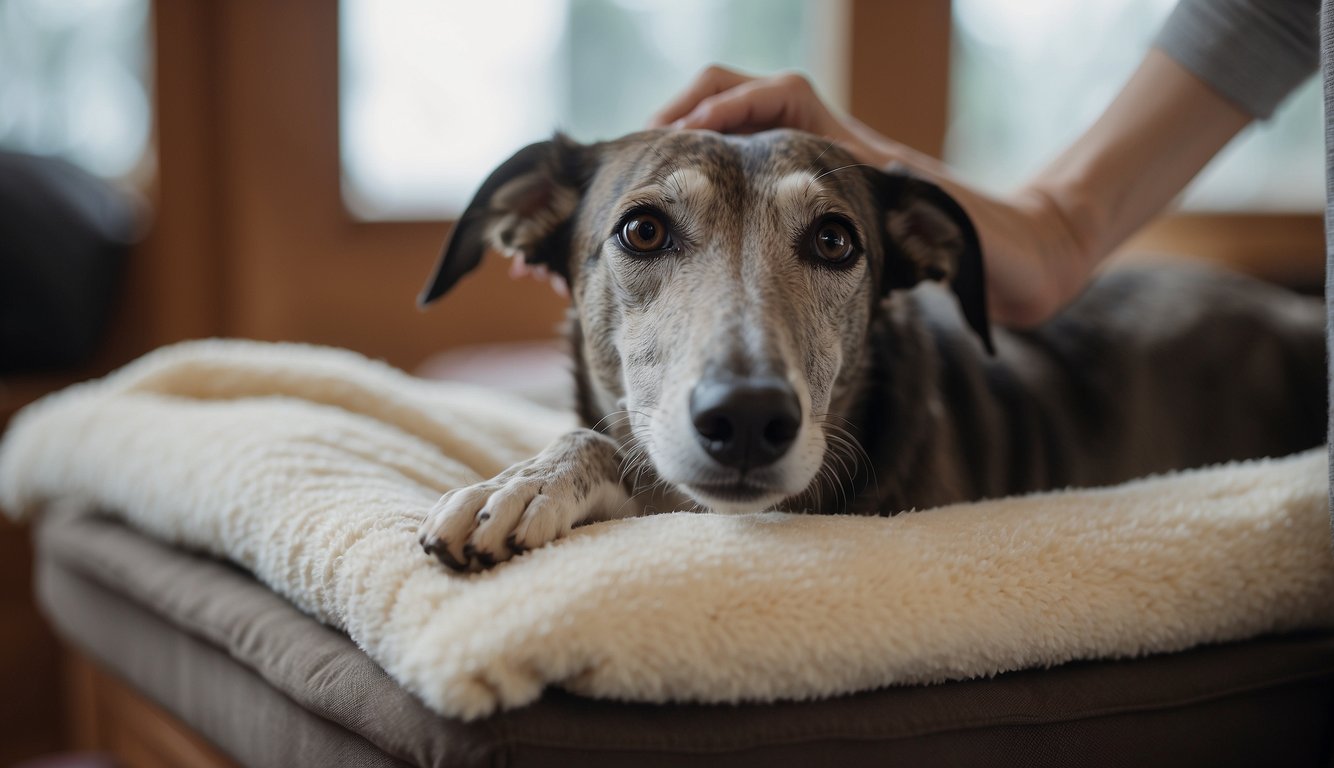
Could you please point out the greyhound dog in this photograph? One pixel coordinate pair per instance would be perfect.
(759, 322)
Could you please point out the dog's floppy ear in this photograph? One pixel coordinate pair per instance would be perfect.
(522, 209)
(931, 238)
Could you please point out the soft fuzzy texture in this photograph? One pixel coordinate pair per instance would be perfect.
(313, 468)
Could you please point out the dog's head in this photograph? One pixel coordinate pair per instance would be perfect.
(723, 288)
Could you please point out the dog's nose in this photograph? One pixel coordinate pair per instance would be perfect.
(745, 423)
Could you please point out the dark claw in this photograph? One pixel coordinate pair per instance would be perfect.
(514, 545)
(443, 554)
(483, 559)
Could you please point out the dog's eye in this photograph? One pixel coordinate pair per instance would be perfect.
(833, 241)
(643, 233)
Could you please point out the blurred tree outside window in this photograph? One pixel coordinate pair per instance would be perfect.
(1028, 77)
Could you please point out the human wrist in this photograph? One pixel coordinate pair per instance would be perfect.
(1071, 226)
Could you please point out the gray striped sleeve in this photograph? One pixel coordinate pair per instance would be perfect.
(1253, 52)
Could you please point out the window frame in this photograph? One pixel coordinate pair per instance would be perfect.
(252, 236)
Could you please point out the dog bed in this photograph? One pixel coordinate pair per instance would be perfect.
(273, 688)
(312, 468)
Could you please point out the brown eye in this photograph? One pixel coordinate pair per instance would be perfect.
(833, 241)
(643, 233)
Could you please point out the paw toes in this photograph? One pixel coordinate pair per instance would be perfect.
(474, 528)
(543, 522)
(497, 520)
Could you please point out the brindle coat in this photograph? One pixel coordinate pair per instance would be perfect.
(902, 405)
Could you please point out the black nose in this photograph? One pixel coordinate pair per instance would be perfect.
(747, 422)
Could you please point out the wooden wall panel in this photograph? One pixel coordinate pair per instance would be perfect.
(30, 709)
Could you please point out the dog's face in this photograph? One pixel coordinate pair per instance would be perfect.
(723, 289)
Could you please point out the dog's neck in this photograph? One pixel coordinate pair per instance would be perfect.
(900, 413)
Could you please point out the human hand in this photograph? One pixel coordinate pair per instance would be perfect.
(723, 100)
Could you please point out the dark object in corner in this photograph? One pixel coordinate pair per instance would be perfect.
(64, 236)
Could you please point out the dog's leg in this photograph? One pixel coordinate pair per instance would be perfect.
(574, 480)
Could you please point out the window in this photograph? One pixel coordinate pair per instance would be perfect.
(1029, 77)
(73, 82)
(434, 94)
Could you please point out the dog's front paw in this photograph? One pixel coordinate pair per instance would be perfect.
(478, 526)
(527, 506)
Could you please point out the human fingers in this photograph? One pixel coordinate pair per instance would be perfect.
(710, 81)
(786, 101)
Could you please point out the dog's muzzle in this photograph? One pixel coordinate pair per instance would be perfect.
(744, 423)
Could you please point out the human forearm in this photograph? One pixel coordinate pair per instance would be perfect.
(1158, 133)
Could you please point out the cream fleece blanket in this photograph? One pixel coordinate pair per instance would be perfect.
(313, 467)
